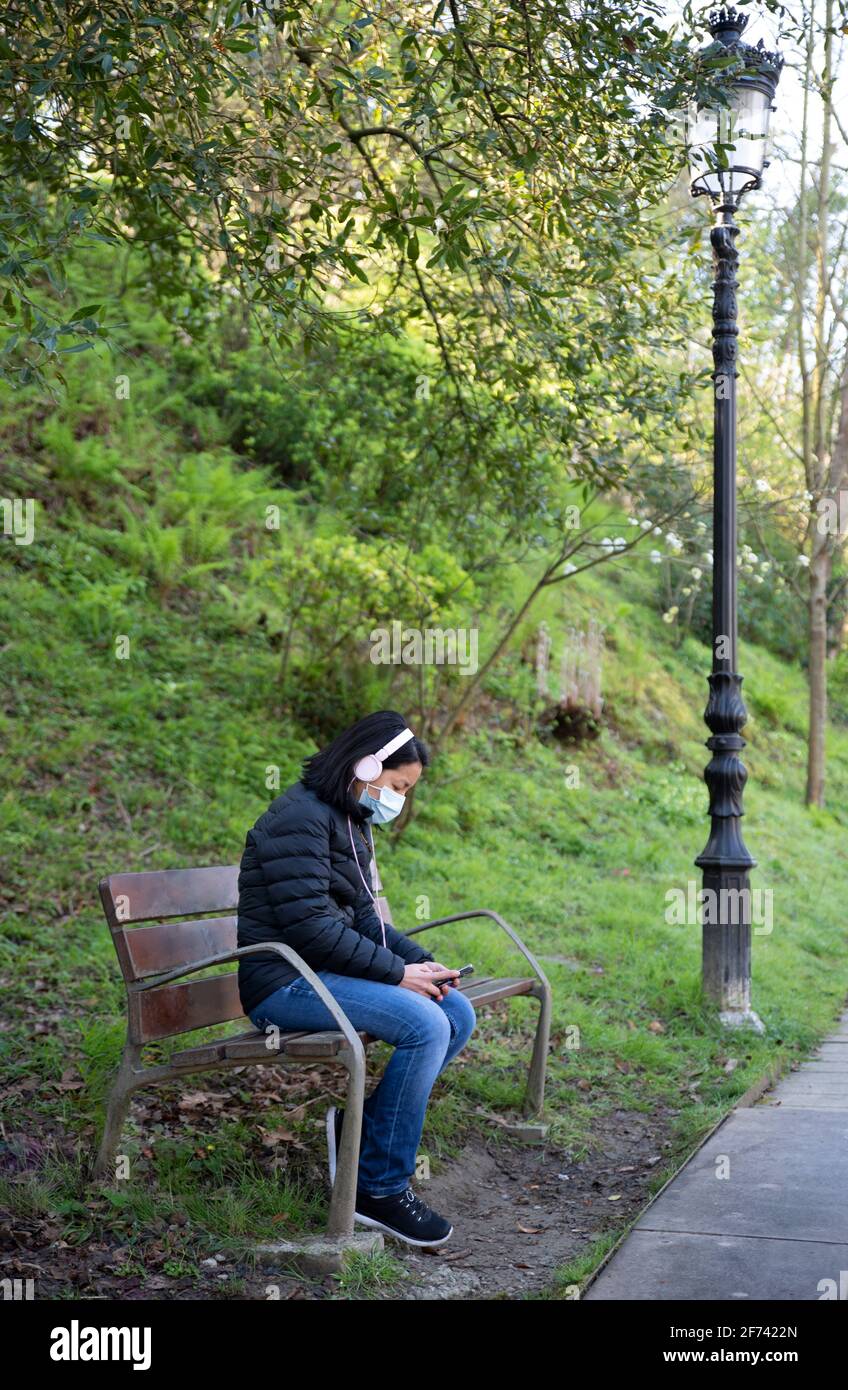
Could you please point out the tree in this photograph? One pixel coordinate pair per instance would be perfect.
(482, 168)
(810, 265)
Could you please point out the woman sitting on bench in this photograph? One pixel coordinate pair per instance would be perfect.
(304, 880)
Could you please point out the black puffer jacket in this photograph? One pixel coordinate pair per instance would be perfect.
(299, 884)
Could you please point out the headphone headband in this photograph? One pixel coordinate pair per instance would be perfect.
(393, 744)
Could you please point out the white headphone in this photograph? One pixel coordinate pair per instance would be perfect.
(370, 767)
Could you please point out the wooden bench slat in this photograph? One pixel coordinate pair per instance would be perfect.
(256, 1044)
(488, 991)
(251, 1047)
(322, 1044)
(140, 897)
(205, 1054)
(168, 945)
(214, 1049)
(180, 1008)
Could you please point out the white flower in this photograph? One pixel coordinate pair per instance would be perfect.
(762, 485)
(701, 527)
(569, 569)
(657, 530)
(633, 520)
(620, 543)
(686, 592)
(656, 557)
(765, 566)
(670, 616)
(804, 560)
(606, 543)
(808, 497)
(758, 579)
(674, 541)
(646, 525)
(696, 573)
(708, 557)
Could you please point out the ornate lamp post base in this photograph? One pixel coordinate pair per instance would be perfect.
(742, 1018)
(725, 859)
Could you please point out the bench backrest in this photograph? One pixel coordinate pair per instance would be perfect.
(171, 903)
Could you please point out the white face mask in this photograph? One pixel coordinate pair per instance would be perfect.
(386, 805)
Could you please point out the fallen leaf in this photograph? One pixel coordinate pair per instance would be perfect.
(192, 1099)
(272, 1137)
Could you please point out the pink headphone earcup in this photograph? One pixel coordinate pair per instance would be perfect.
(368, 768)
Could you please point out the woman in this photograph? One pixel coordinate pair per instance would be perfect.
(305, 880)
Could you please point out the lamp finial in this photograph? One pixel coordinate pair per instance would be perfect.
(727, 24)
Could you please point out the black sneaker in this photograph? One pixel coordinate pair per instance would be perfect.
(403, 1215)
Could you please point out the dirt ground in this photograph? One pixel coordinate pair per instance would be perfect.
(519, 1212)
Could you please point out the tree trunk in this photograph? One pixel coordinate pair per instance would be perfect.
(819, 576)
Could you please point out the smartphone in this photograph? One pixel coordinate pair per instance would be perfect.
(449, 979)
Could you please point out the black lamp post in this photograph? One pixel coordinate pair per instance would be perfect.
(727, 148)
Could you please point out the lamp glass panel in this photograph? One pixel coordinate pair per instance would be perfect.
(727, 146)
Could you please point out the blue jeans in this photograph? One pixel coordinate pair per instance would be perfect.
(425, 1032)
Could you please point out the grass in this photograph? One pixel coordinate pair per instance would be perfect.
(161, 760)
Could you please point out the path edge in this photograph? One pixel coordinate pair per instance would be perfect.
(773, 1073)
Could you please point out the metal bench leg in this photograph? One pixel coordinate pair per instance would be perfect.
(116, 1111)
(534, 1099)
(343, 1199)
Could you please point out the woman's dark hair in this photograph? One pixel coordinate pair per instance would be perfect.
(328, 772)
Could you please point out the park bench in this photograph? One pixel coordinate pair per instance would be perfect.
(190, 926)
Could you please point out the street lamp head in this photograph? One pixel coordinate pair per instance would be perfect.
(727, 134)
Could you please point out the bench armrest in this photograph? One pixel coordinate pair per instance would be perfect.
(345, 1026)
(504, 926)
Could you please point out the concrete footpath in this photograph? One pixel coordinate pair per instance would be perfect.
(760, 1211)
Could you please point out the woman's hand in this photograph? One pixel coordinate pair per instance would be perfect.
(418, 979)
